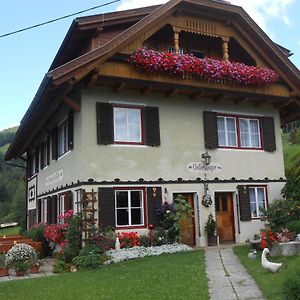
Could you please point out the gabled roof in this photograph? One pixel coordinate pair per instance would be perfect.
(63, 71)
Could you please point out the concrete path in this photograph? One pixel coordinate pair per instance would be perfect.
(45, 270)
(228, 279)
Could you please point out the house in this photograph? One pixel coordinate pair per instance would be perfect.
(116, 127)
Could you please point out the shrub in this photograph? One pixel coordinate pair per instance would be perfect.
(60, 266)
(19, 252)
(36, 233)
(294, 226)
(74, 235)
(291, 190)
(291, 285)
(103, 242)
(162, 237)
(280, 213)
(145, 240)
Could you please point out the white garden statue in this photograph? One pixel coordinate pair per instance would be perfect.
(117, 244)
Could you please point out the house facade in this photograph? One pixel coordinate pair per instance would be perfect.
(113, 135)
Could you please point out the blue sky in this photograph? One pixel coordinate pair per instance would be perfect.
(26, 57)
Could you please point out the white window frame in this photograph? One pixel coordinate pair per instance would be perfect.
(126, 140)
(44, 211)
(44, 153)
(249, 132)
(61, 205)
(226, 132)
(63, 138)
(142, 208)
(255, 188)
(33, 164)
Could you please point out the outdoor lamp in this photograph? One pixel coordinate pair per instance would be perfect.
(206, 158)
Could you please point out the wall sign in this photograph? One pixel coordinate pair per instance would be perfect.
(199, 167)
(57, 176)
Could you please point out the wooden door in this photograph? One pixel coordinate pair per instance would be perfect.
(188, 230)
(225, 217)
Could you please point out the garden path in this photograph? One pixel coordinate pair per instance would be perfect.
(228, 279)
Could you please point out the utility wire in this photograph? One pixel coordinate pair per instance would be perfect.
(58, 19)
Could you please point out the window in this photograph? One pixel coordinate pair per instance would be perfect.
(45, 153)
(44, 211)
(63, 145)
(127, 125)
(129, 208)
(238, 132)
(33, 164)
(258, 200)
(198, 53)
(227, 133)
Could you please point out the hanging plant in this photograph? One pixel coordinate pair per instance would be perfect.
(208, 69)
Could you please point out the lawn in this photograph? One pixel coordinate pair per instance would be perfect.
(168, 276)
(271, 284)
(10, 230)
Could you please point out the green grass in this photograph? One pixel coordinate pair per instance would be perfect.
(271, 284)
(291, 152)
(10, 230)
(168, 276)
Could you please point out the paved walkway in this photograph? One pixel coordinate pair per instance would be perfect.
(228, 279)
(45, 270)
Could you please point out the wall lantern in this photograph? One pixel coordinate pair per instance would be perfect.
(206, 199)
(206, 158)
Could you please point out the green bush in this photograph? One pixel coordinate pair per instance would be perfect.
(291, 285)
(11, 217)
(294, 226)
(89, 257)
(145, 240)
(291, 190)
(280, 213)
(60, 266)
(36, 233)
(74, 236)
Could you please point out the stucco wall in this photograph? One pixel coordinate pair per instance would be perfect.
(182, 141)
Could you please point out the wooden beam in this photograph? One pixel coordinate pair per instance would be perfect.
(282, 105)
(172, 92)
(194, 96)
(240, 100)
(218, 98)
(118, 87)
(146, 90)
(93, 79)
(72, 104)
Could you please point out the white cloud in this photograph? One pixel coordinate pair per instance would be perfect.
(129, 4)
(262, 11)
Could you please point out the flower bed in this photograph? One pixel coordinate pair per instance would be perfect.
(136, 252)
(212, 70)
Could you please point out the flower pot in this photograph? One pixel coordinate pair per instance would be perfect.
(34, 269)
(20, 273)
(4, 272)
(290, 235)
(212, 240)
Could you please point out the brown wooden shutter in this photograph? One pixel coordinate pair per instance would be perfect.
(154, 198)
(244, 201)
(68, 201)
(53, 209)
(42, 155)
(105, 126)
(49, 210)
(36, 157)
(48, 151)
(268, 131)
(71, 130)
(210, 130)
(106, 203)
(151, 125)
(39, 213)
(29, 157)
(54, 143)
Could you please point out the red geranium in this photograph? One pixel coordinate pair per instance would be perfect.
(128, 239)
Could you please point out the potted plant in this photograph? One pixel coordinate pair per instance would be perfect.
(21, 267)
(210, 229)
(34, 263)
(3, 265)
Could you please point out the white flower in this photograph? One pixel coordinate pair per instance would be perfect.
(135, 252)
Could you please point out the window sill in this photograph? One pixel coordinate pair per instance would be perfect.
(129, 145)
(131, 227)
(63, 155)
(240, 149)
(32, 177)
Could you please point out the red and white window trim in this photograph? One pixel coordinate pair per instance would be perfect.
(240, 132)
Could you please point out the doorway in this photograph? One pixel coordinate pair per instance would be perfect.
(188, 235)
(225, 217)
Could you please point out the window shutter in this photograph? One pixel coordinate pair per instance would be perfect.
(39, 205)
(268, 131)
(154, 198)
(68, 201)
(48, 151)
(42, 155)
(210, 130)
(29, 157)
(53, 201)
(71, 130)
(105, 126)
(36, 157)
(106, 203)
(244, 202)
(48, 210)
(54, 143)
(151, 124)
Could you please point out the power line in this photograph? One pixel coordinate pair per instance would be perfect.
(58, 19)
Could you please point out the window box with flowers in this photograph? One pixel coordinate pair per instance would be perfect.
(208, 69)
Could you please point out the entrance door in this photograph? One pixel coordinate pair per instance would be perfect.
(188, 232)
(225, 217)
